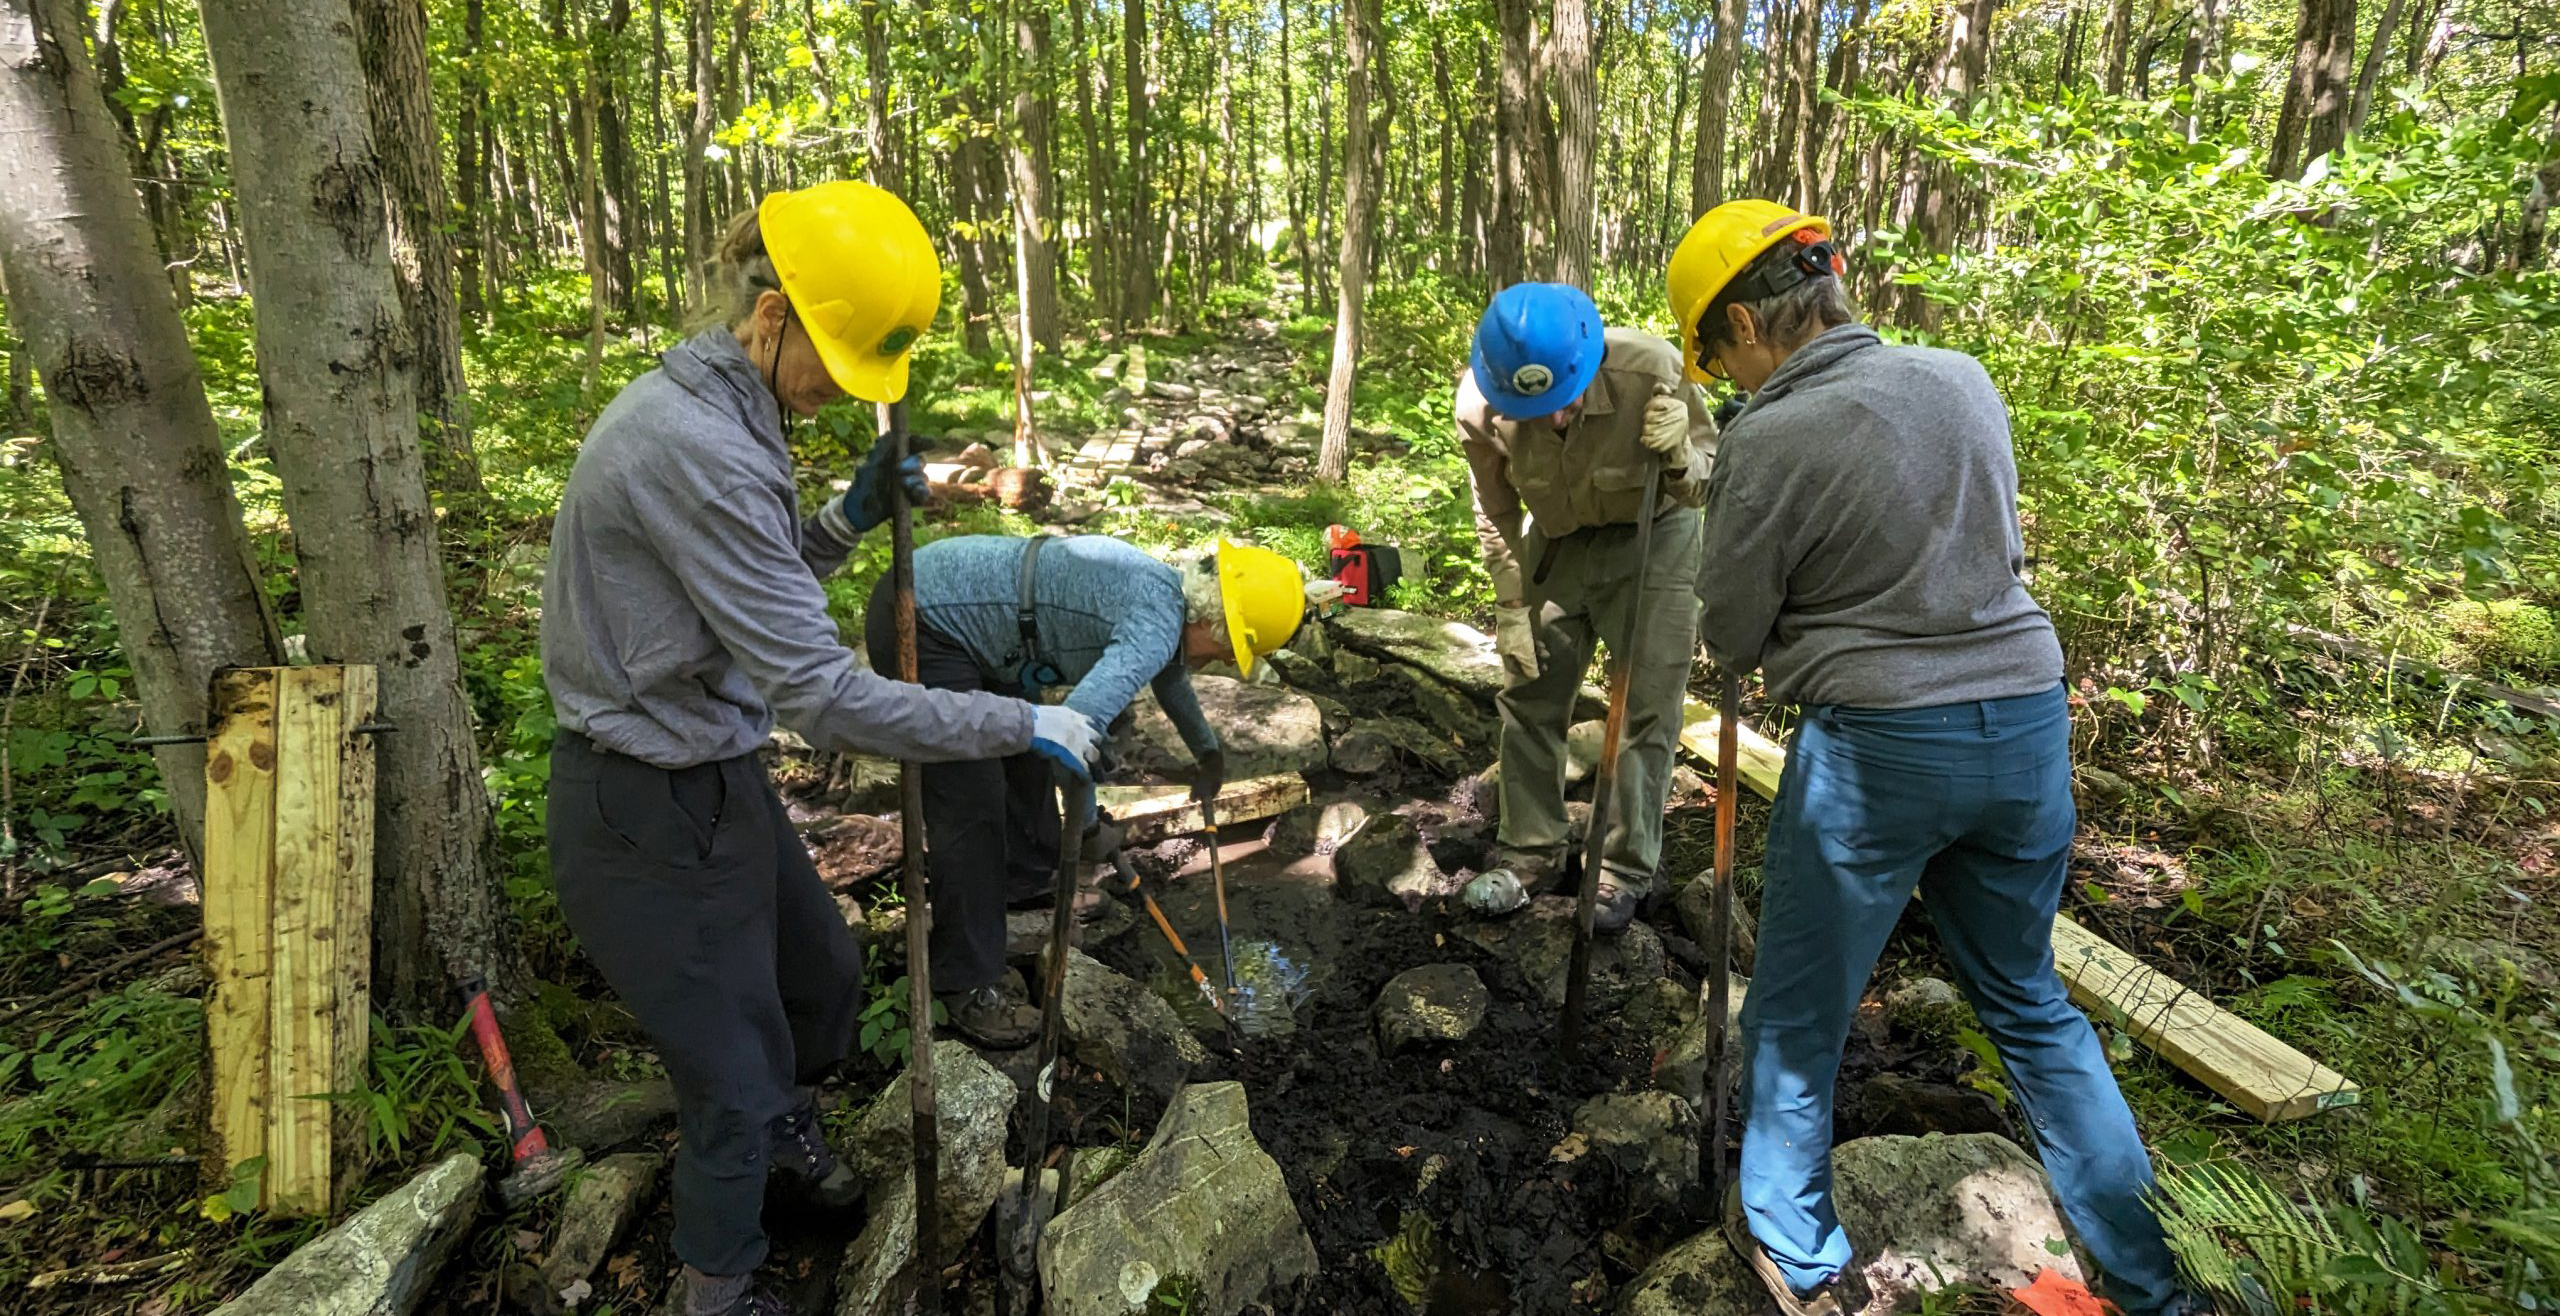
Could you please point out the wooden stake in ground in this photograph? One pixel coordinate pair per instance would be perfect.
(911, 885)
(1604, 782)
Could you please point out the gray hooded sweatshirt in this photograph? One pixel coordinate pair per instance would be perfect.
(1862, 534)
(682, 616)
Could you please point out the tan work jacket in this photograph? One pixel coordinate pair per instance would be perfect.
(1590, 473)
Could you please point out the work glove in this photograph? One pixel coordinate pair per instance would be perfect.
(1515, 641)
(1208, 776)
(1666, 430)
(1066, 738)
(866, 503)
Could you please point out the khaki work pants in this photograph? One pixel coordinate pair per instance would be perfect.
(1589, 590)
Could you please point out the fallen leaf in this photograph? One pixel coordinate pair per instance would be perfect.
(17, 1211)
(527, 1240)
(576, 1295)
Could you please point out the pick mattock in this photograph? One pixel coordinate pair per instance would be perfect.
(1604, 781)
(1029, 1217)
(927, 1134)
(1720, 939)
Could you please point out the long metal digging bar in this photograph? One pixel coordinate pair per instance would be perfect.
(1053, 1027)
(1129, 874)
(927, 1130)
(1218, 880)
(1604, 782)
(1720, 939)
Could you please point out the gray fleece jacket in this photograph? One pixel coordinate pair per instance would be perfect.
(682, 616)
(1862, 534)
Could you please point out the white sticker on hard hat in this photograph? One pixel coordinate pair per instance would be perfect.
(1532, 378)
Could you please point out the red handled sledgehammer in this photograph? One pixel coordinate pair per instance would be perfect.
(537, 1167)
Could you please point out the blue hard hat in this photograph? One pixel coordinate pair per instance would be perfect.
(1537, 349)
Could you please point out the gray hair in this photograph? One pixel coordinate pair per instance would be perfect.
(1789, 319)
(734, 278)
(1203, 599)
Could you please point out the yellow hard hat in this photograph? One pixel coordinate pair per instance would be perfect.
(1719, 246)
(1265, 598)
(862, 274)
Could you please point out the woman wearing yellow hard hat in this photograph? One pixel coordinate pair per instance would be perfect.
(1103, 620)
(1863, 553)
(682, 620)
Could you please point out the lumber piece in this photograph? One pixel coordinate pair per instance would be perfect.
(1155, 812)
(2241, 1062)
(288, 925)
(2237, 1059)
(2540, 703)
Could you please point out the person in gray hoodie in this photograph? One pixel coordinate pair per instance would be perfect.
(682, 620)
(1863, 553)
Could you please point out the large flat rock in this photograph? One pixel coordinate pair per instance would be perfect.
(1203, 1203)
(1925, 1213)
(1113, 1023)
(1453, 651)
(383, 1260)
(1264, 729)
(972, 1100)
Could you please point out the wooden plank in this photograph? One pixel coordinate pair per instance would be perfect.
(1760, 758)
(352, 940)
(2246, 1065)
(302, 1054)
(1154, 812)
(239, 878)
(2242, 1062)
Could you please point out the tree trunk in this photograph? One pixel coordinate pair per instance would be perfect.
(616, 196)
(340, 399)
(700, 233)
(1301, 249)
(2118, 42)
(591, 234)
(1804, 100)
(665, 227)
(1138, 287)
(2373, 54)
(141, 458)
(1097, 177)
(467, 171)
(1959, 73)
(1361, 40)
(1715, 98)
(1035, 208)
(392, 36)
(1576, 88)
(2534, 217)
(1517, 157)
(1684, 80)
(2313, 119)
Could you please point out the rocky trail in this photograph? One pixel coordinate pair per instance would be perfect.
(1396, 1132)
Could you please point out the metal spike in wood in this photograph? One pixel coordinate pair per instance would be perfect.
(1604, 781)
(1711, 1148)
(927, 1133)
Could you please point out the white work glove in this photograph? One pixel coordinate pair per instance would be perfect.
(1066, 737)
(1515, 641)
(1666, 429)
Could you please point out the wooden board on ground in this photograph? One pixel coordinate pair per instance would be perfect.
(2236, 1058)
(1151, 813)
(2245, 1064)
(288, 903)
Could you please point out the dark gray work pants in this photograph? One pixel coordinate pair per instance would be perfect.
(692, 893)
(990, 825)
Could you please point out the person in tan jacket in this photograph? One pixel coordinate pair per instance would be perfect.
(1564, 425)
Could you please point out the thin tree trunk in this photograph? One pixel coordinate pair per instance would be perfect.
(665, 228)
(1804, 99)
(468, 181)
(2372, 73)
(1515, 146)
(340, 399)
(1575, 86)
(700, 232)
(1715, 94)
(1138, 290)
(392, 37)
(1361, 39)
(617, 196)
(1034, 205)
(1684, 79)
(141, 458)
(2533, 224)
(1301, 250)
(2318, 95)
(1444, 232)
(1097, 174)
(2117, 41)
(591, 232)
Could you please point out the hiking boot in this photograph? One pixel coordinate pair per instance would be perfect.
(698, 1294)
(1837, 1296)
(801, 1153)
(985, 1016)
(1618, 898)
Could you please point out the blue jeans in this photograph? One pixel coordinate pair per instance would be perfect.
(1971, 804)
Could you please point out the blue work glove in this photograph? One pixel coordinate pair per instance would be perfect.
(866, 503)
(1066, 737)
